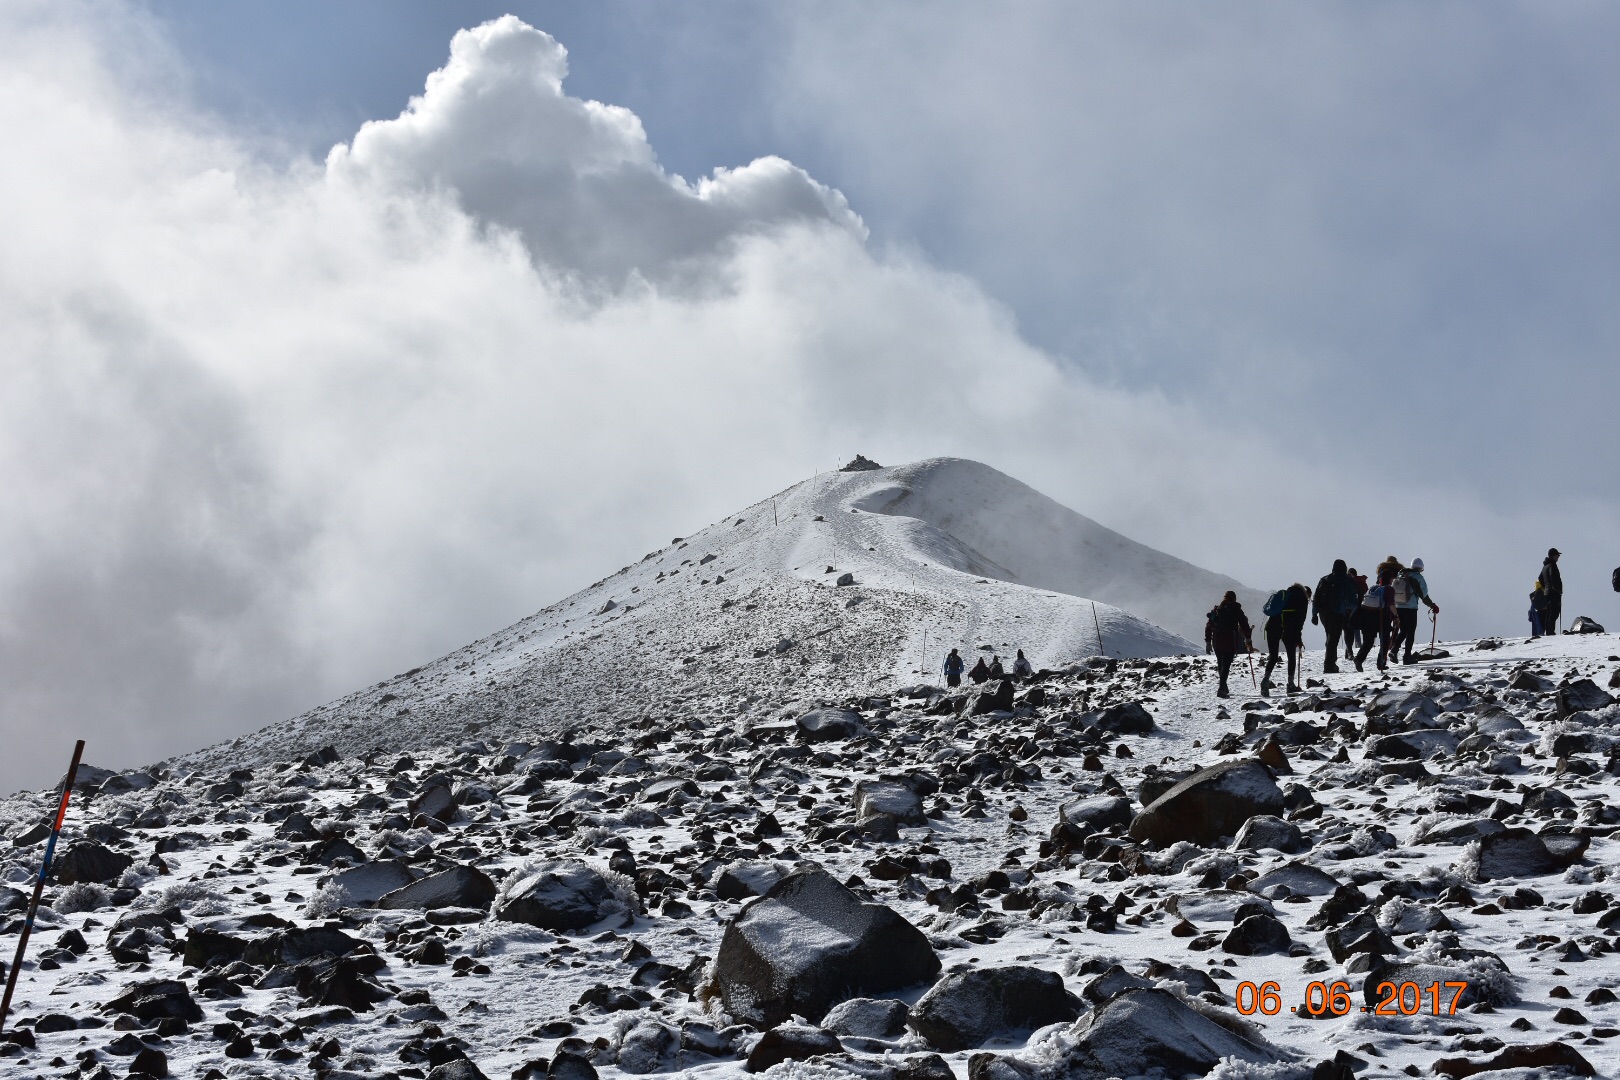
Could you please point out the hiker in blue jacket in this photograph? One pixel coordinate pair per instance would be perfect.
(1410, 589)
(953, 668)
(1285, 626)
(1332, 606)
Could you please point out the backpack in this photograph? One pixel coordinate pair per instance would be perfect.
(1374, 598)
(1614, 579)
(1276, 604)
(1405, 591)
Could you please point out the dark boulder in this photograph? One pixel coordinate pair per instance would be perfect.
(1130, 718)
(886, 799)
(996, 698)
(459, 886)
(1582, 695)
(1138, 1032)
(157, 999)
(810, 943)
(966, 1009)
(1496, 990)
(1209, 805)
(89, 861)
(370, 882)
(1257, 935)
(867, 1018)
(791, 1042)
(743, 880)
(829, 725)
(558, 894)
(1513, 853)
(1551, 1055)
(1266, 831)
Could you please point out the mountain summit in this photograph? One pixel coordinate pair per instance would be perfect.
(846, 583)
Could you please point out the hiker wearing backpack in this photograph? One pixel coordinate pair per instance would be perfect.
(1022, 668)
(1538, 601)
(980, 672)
(1226, 630)
(1331, 608)
(1376, 614)
(1552, 591)
(953, 668)
(1285, 626)
(1410, 589)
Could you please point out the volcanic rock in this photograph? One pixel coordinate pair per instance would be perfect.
(966, 1009)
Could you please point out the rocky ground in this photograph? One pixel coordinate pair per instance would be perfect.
(1072, 877)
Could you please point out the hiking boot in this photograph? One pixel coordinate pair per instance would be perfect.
(1358, 665)
(1265, 687)
(1334, 670)
(1223, 692)
(1292, 689)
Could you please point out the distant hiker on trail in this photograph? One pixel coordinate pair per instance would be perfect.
(953, 668)
(996, 670)
(980, 672)
(1410, 588)
(1538, 602)
(1022, 668)
(1226, 630)
(1285, 626)
(1377, 614)
(1552, 590)
(1352, 621)
(1334, 604)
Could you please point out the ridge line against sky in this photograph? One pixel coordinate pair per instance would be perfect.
(284, 423)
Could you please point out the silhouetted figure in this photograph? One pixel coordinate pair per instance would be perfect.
(1377, 614)
(953, 668)
(1226, 631)
(1410, 589)
(980, 672)
(1334, 604)
(1286, 629)
(1552, 592)
(996, 670)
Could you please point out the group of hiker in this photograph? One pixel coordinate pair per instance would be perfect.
(1547, 598)
(1344, 604)
(983, 672)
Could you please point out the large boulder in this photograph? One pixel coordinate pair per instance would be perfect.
(89, 861)
(1257, 935)
(1265, 831)
(1486, 975)
(749, 878)
(1557, 1056)
(459, 887)
(157, 999)
(370, 882)
(1130, 718)
(869, 1018)
(1513, 853)
(810, 943)
(828, 725)
(887, 799)
(1582, 695)
(1138, 1032)
(968, 1008)
(1293, 879)
(557, 894)
(996, 697)
(1211, 804)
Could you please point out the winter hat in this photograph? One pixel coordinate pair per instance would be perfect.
(1417, 564)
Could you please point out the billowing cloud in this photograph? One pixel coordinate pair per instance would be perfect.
(577, 179)
(275, 428)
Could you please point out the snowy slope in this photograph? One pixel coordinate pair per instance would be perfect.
(745, 617)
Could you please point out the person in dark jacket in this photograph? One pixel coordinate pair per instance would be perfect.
(1331, 608)
(1552, 592)
(953, 668)
(1537, 601)
(996, 670)
(1226, 631)
(1377, 614)
(980, 672)
(1352, 621)
(1286, 630)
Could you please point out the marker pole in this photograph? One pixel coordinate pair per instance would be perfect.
(39, 884)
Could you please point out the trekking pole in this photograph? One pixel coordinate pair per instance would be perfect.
(1098, 625)
(39, 883)
(1250, 643)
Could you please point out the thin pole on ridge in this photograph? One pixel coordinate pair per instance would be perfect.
(39, 883)
(1098, 625)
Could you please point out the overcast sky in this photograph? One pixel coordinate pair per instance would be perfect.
(332, 339)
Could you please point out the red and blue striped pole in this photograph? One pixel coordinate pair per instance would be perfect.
(39, 885)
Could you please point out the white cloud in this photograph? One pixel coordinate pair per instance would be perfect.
(273, 430)
(576, 178)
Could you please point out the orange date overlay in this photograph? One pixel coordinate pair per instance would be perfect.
(1333, 999)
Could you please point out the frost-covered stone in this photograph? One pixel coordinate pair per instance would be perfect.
(557, 894)
(1211, 804)
(810, 943)
(459, 887)
(966, 1009)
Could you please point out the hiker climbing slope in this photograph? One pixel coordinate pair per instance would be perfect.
(1377, 614)
(1410, 589)
(1332, 607)
(1285, 626)
(953, 668)
(1226, 631)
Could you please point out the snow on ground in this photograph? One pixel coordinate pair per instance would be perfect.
(746, 617)
(507, 994)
